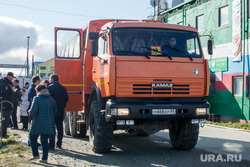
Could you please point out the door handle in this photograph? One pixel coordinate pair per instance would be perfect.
(94, 71)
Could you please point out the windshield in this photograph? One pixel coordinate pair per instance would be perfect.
(155, 42)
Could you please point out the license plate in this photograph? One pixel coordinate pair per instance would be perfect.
(164, 111)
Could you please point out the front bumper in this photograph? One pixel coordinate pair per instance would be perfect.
(141, 109)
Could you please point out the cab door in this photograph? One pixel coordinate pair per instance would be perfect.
(69, 65)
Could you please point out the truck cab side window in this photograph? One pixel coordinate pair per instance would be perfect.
(101, 46)
(68, 44)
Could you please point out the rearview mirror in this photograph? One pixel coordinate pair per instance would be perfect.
(93, 35)
(94, 48)
(210, 47)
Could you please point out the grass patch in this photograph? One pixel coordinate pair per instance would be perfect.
(13, 153)
(231, 124)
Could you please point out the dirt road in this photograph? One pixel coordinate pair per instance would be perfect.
(128, 151)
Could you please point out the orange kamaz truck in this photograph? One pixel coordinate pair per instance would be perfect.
(139, 76)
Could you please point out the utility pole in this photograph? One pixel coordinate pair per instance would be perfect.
(28, 37)
(32, 71)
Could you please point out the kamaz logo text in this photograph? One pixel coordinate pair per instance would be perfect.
(162, 85)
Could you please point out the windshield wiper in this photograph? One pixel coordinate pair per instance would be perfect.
(155, 50)
(124, 51)
(179, 51)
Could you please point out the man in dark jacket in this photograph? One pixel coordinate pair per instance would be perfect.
(17, 99)
(31, 91)
(59, 93)
(8, 95)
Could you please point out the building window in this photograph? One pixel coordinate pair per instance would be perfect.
(52, 70)
(42, 68)
(42, 74)
(200, 23)
(237, 85)
(223, 15)
(212, 86)
(248, 8)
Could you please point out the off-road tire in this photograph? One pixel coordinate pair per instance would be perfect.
(73, 126)
(183, 134)
(66, 123)
(100, 131)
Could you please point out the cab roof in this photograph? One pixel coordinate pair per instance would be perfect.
(146, 24)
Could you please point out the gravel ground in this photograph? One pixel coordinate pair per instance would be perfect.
(134, 151)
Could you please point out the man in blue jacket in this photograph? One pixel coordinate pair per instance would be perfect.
(31, 91)
(59, 93)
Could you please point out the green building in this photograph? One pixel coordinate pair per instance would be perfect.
(226, 22)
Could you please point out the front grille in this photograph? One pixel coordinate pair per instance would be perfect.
(147, 89)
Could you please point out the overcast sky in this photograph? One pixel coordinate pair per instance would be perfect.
(37, 19)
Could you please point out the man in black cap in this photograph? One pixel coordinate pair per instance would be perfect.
(6, 93)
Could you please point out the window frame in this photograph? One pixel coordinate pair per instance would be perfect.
(66, 50)
(197, 23)
(234, 84)
(174, 33)
(42, 74)
(101, 45)
(248, 9)
(41, 68)
(219, 16)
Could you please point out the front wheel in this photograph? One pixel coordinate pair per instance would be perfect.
(183, 134)
(101, 132)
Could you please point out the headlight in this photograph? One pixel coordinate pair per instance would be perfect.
(119, 111)
(113, 111)
(122, 111)
(201, 111)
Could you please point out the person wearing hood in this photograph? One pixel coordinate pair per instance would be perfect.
(23, 109)
(43, 111)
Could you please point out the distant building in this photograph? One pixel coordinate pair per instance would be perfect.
(45, 69)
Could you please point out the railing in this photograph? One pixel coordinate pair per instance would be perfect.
(1, 103)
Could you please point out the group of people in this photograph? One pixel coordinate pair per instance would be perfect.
(43, 103)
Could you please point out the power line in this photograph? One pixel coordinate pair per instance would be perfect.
(52, 11)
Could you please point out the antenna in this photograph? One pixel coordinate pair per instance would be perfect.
(154, 4)
(163, 5)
